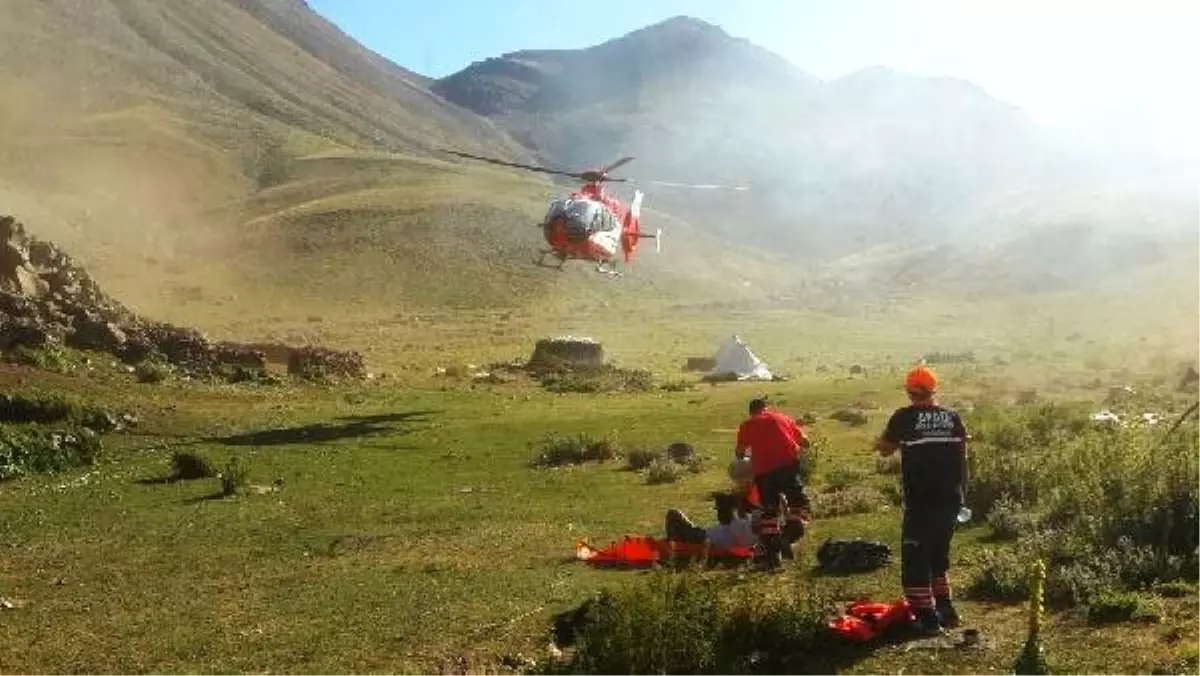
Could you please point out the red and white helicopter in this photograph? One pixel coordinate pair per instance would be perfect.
(590, 224)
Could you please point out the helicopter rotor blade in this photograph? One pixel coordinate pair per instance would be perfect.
(503, 163)
(593, 175)
(619, 163)
(738, 188)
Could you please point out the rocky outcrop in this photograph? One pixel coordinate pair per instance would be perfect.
(318, 363)
(567, 351)
(47, 299)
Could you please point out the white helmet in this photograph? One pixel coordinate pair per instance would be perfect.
(741, 471)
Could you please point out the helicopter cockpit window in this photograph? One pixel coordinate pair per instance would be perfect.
(557, 209)
(585, 213)
(583, 217)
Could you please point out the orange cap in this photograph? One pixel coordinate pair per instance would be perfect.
(921, 378)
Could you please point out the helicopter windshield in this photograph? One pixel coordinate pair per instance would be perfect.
(582, 216)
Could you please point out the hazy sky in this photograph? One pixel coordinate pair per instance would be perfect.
(1054, 58)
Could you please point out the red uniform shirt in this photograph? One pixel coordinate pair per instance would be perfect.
(773, 439)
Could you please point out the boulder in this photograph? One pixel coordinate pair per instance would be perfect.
(236, 354)
(567, 351)
(318, 363)
(93, 333)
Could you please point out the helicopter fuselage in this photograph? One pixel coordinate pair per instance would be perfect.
(590, 225)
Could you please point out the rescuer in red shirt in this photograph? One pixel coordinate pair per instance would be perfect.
(775, 442)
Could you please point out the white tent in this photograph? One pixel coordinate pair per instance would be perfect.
(735, 358)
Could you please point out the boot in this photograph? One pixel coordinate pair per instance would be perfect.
(927, 622)
(947, 615)
(772, 553)
(793, 531)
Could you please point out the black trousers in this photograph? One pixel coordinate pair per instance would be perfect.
(925, 548)
(681, 529)
(774, 488)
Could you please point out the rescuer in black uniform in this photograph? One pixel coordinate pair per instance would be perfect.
(932, 443)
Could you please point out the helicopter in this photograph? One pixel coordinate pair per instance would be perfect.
(590, 224)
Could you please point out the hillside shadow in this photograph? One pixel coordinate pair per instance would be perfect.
(344, 427)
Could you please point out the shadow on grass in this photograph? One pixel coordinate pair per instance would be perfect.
(839, 654)
(218, 495)
(345, 427)
(158, 481)
(816, 571)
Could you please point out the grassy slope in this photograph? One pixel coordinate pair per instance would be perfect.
(219, 167)
(253, 211)
(409, 533)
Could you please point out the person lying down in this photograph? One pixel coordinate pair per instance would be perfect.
(731, 530)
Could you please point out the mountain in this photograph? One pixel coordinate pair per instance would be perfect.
(243, 164)
(832, 165)
(875, 159)
(246, 162)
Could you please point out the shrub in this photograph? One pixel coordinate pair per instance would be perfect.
(887, 465)
(32, 407)
(850, 416)
(638, 459)
(1174, 590)
(234, 477)
(853, 500)
(840, 479)
(695, 464)
(683, 622)
(677, 386)
(558, 450)
(1005, 459)
(775, 635)
(680, 452)
(662, 471)
(1008, 519)
(893, 492)
(29, 450)
(1118, 508)
(601, 450)
(1112, 607)
(596, 379)
(152, 372)
(55, 358)
(810, 459)
(188, 466)
(1004, 576)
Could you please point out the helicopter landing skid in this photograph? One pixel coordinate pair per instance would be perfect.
(611, 271)
(540, 262)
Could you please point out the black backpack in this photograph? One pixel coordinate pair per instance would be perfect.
(838, 555)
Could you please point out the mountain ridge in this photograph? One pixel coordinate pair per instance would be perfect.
(631, 99)
(249, 153)
(874, 157)
(206, 161)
